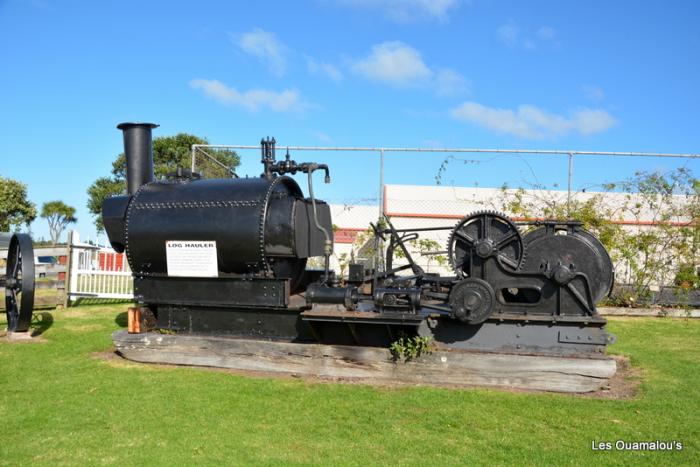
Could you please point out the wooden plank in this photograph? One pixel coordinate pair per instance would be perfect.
(656, 312)
(442, 367)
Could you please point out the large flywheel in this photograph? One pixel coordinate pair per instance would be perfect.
(572, 257)
(19, 283)
(483, 235)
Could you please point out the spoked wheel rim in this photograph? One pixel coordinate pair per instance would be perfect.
(19, 283)
(482, 235)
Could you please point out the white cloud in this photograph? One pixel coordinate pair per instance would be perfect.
(512, 35)
(323, 68)
(528, 121)
(399, 65)
(590, 121)
(394, 63)
(449, 83)
(265, 47)
(253, 100)
(593, 93)
(407, 10)
(508, 33)
(546, 33)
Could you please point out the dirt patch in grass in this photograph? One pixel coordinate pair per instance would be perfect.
(623, 385)
(113, 359)
(34, 339)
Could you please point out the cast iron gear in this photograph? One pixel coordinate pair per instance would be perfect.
(481, 235)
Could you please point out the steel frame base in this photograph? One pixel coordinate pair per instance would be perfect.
(279, 324)
(514, 334)
(520, 337)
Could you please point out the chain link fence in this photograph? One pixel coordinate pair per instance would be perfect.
(212, 162)
(639, 204)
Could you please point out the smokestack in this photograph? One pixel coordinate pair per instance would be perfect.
(138, 148)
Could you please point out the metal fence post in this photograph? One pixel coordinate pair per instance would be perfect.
(381, 183)
(568, 191)
(380, 243)
(68, 280)
(73, 265)
(194, 150)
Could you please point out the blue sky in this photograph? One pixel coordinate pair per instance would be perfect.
(586, 75)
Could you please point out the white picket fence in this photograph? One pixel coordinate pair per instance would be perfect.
(98, 272)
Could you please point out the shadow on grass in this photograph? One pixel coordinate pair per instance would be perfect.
(41, 322)
(122, 319)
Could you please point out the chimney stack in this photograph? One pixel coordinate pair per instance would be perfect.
(138, 148)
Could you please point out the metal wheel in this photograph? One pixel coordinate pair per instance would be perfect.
(483, 235)
(472, 300)
(19, 283)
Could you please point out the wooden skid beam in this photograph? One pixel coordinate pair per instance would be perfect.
(557, 374)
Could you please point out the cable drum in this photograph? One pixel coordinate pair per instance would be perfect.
(573, 248)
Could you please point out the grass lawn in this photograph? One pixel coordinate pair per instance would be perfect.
(62, 402)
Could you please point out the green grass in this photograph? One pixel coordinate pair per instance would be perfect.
(61, 403)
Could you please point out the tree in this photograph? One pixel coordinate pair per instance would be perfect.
(169, 153)
(59, 215)
(101, 189)
(15, 208)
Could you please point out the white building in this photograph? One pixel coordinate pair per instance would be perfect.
(413, 206)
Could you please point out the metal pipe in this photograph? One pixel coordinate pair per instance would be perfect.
(380, 244)
(473, 150)
(212, 159)
(420, 229)
(138, 149)
(328, 246)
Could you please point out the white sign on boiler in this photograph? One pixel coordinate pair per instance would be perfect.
(190, 258)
